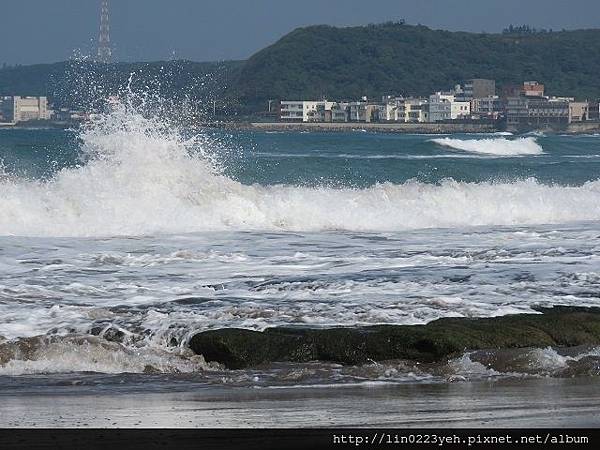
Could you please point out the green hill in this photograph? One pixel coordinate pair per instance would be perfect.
(395, 58)
(339, 63)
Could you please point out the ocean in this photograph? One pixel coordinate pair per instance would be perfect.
(121, 241)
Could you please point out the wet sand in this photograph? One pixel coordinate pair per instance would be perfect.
(504, 403)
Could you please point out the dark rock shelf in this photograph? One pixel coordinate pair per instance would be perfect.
(557, 327)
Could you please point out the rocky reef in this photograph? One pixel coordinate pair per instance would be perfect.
(560, 326)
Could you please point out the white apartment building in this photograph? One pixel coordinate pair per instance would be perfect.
(23, 109)
(444, 106)
(310, 111)
(338, 113)
(364, 111)
(440, 106)
(389, 109)
(292, 111)
(460, 110)
(400, 109)
(357, 111)
(413, 110)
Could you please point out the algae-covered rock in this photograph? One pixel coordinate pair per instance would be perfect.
(238, 348)
(559, 326)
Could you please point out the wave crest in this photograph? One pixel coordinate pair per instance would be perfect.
(142, 177)
(495, 147)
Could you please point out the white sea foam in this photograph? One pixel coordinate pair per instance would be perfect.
(548, 360)
(495, 147)
(44, 355)
(143, 178)
(465, 366)
(536, 133)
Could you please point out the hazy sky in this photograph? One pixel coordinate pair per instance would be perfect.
(35, 31)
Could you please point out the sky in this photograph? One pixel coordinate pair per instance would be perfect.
(41, 31)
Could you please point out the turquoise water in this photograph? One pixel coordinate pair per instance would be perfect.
(354, 159)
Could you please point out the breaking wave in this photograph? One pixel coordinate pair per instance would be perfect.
(495, 147)
(91, 354)
(142, 177)
(67, 354)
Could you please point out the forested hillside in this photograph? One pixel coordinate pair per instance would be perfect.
(395, 58)
(341, 63)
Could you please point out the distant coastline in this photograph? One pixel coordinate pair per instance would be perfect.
(420, 128)
(425, 128)
(327, 127)
(37, 125)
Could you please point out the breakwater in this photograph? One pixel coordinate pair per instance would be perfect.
(421, 128)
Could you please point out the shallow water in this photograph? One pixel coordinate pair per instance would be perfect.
(157, 292)
(530, 403)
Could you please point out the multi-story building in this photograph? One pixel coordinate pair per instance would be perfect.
(373, 112)
(445, 106)
(535, 112)
(413, 110)
(24, 109)
(316, 111)
(357, 111)
(479, 88)
(491, 107)
(517, 112)
(306, 111)
(459, 94)
(551, 110)
(337, 113)
(389, 108)
(578, 111)
(440, 106)
(460, 110)
(292, 111)
(594, 110)
(400, 109)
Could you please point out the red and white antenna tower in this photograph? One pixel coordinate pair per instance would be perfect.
(104, 49)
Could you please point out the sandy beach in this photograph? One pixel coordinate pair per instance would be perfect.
(539, 402)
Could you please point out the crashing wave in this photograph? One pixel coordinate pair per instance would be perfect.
(496, 147)
(66, 354)
(142, 177)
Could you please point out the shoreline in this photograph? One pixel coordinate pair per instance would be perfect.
(400, 128)
(372, 127)
(342, 127)
(538, 402)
